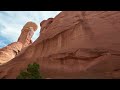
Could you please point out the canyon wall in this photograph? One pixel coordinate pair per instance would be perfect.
(74, 44)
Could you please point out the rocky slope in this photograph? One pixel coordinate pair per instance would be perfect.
(74, 44)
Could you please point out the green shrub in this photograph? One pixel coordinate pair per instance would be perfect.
(32, 72)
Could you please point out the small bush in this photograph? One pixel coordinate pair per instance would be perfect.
(32, 72)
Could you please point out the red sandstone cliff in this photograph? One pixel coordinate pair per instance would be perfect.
(74, 44)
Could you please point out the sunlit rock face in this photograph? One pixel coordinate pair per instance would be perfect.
(12, 50)
(9, 52)
(27, 33)
(74, 44)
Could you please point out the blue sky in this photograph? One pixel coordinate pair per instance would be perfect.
(11, 23)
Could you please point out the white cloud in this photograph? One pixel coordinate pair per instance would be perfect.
(11, 22)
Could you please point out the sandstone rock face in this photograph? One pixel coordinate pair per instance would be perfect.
(9, 52)
(45, 24)
(12, 50)
(27, 33)
(75, 44)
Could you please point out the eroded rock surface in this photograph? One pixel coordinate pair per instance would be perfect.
(9, 52)
(74, 44)
(27, 33)
(12, 50)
